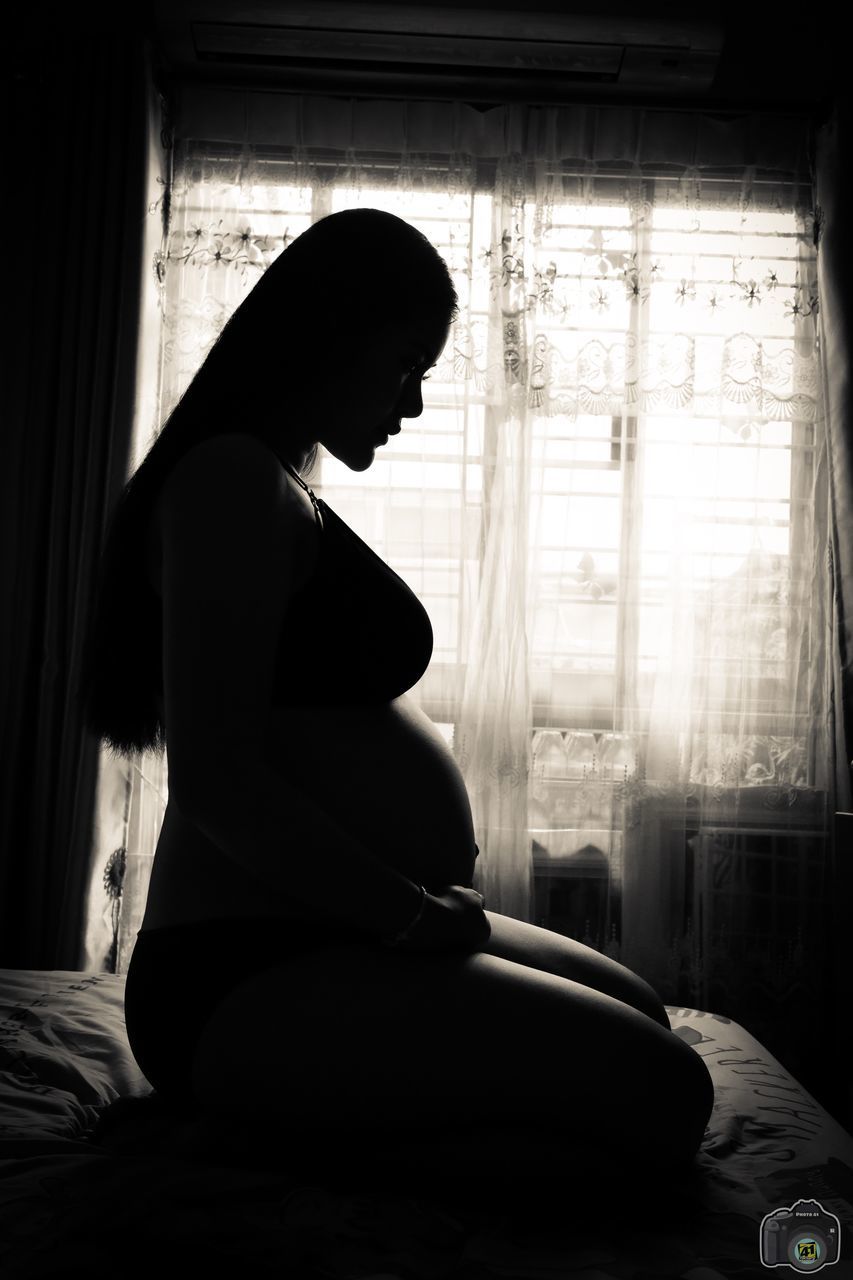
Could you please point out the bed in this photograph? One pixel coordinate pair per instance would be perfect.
(97, 1178)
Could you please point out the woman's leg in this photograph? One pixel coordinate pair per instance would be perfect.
(352, 1041)
(554, 953)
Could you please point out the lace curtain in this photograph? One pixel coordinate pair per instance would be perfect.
(613, 507)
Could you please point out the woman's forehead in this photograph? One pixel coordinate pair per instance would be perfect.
(427, 340)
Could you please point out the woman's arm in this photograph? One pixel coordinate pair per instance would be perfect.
(265, 825)
(286, 840)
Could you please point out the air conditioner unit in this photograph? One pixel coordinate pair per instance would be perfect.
(540, 54)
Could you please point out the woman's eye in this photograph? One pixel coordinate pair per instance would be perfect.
(418, 367)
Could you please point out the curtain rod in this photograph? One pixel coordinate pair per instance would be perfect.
(816, 112)
(438, 162)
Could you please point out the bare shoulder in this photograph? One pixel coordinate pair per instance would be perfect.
(229, 477)
(234, 461)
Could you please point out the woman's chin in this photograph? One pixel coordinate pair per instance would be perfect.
(360, 460)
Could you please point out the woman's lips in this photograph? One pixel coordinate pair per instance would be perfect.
(383, 439)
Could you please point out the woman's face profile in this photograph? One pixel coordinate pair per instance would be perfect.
(374, 385)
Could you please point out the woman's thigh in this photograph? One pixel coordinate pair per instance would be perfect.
(355, 1036)
(551, 952)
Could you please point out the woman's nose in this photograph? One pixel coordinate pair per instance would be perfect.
(411, 404)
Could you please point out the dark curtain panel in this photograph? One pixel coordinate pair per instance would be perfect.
(834, 154)
(835, 264)
(77, 189)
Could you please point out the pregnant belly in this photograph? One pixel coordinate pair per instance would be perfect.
(386, 774)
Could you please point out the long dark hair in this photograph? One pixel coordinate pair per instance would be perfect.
(349, 273)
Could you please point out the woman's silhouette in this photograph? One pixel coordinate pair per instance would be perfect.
(313, 956)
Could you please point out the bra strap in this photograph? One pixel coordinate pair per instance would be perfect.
(298, 478)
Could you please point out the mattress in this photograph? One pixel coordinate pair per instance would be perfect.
(97, 1177)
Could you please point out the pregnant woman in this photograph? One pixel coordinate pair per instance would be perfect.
(313, 957)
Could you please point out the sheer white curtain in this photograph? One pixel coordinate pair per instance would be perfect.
(611, 507)
(131, 793)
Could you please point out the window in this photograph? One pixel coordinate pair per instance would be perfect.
(665, 373)
(610, 506)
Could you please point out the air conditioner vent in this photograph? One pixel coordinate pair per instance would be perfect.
(681, 62)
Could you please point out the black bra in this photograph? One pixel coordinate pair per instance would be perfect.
(355, 632)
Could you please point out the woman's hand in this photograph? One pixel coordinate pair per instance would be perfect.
(452, 919)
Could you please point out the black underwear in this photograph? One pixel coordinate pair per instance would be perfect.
(179, 974)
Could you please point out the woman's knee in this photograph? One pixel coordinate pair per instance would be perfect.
(649, 1002)
(655, 1102)
(685, 1099)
